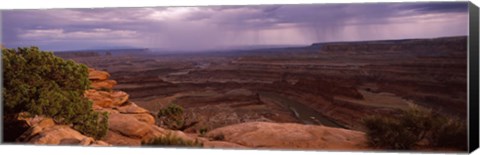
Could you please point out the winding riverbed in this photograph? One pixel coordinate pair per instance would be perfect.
(305, 114)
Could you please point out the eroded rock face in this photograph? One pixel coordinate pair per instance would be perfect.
(105, 84)
(131, 108)
(290, 136)
(106, 99)
(137, 112)
(126, 129)
(117, 139)
(97, 75)
(47, 132)
(222, 144)
(37, 125)
(145, 117)
(130, 125)
(60, 135)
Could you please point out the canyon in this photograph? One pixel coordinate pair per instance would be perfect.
(311, 97)
(334, 84)
(131, 125)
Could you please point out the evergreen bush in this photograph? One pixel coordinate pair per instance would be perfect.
(414, 125)
(41, 83)
(174, 117)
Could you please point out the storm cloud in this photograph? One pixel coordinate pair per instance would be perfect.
(206, 28)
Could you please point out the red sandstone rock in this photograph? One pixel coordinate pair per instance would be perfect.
(106, 99)
(291, 136)
(105, 84)
(97, 75)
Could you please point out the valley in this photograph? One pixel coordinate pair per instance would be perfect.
(331, 84)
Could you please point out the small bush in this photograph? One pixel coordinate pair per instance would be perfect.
(219, 137)
(174, 117)
(96, 125)
(388, 133)
(172, 140)
(203, 131)
(170, 110)
(171, 116)
(412, 126)
(450, 132)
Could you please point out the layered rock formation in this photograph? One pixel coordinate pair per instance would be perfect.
(106, 99)
(410, 45)
(46, 131)
(328, 82)
(130, 124)
(100, 79)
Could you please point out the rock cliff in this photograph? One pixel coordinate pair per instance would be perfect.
(130, 124)
(434, 46)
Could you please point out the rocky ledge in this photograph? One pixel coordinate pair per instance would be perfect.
(130, 124)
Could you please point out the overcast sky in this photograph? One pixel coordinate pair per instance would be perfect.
(205, 28)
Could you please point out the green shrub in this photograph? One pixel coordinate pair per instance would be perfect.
(203, 131)
(40, 83)
(219, 137)
(172, 140)
(93, 123)
(171, 110)
(412, 126)
(450, 132)
(388, 133)
(174, 117)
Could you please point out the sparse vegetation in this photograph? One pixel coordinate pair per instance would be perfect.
(388, 133)
(40, 83)
(414, 126)
(449, 132)
(93, 124)
(174, 117)
(203, 131)
(172, 140)
(219, 137)
(171, 110)
(105, 89)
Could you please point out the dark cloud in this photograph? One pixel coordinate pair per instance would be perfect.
(201, 28)
(437, 7)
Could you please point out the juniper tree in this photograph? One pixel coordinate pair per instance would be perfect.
(40, 83)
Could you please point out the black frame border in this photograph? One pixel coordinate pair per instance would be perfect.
(473, 82)
(473, 70)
